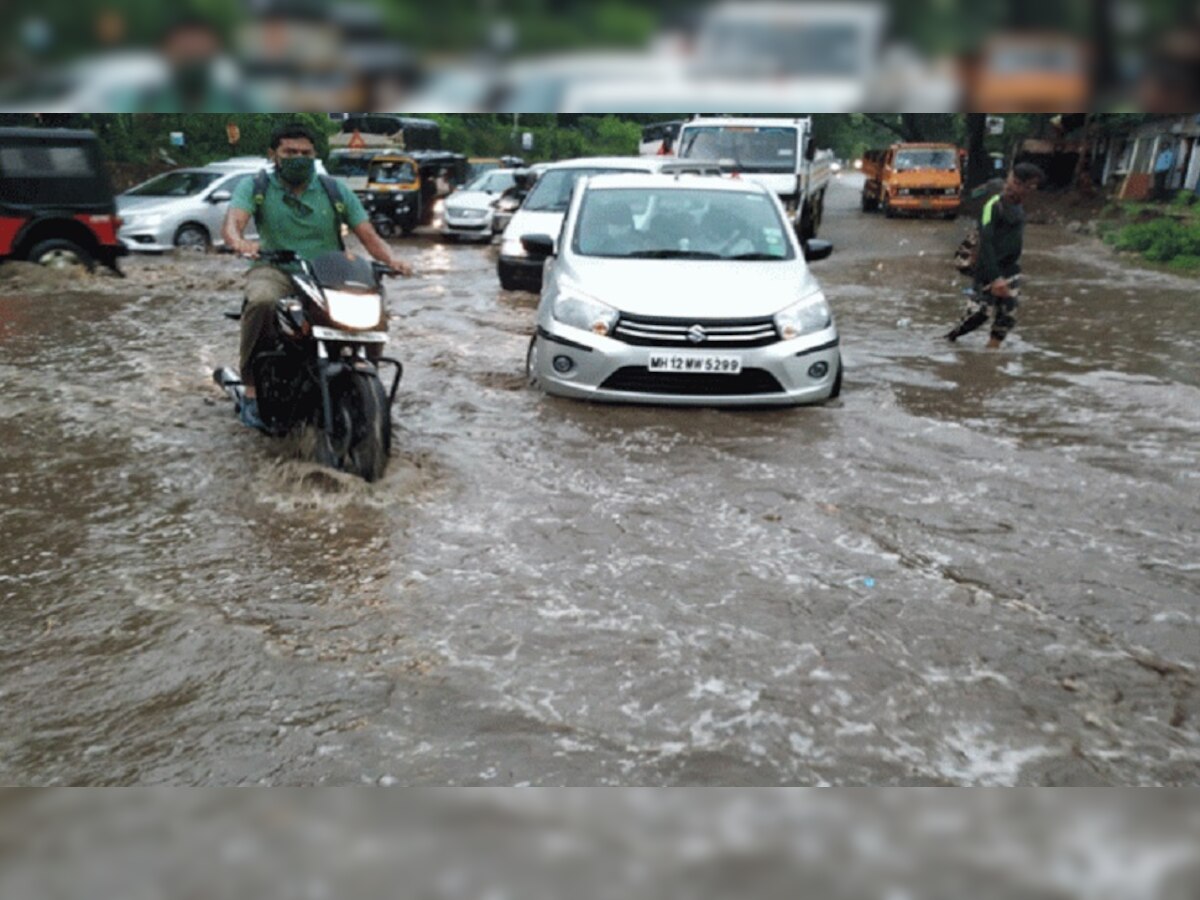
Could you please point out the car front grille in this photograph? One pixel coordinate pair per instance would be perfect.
(706, 333)
(927, 192)
(640, 380)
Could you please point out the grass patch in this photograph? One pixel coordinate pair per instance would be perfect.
(1173, 233)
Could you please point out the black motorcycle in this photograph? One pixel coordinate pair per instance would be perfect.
(324, 370)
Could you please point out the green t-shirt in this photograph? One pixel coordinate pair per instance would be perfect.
(306, 223)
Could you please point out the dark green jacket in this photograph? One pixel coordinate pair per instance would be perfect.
(1001, 234)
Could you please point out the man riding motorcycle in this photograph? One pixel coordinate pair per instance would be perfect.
(295, 209)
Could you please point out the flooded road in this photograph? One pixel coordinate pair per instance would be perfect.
(973, 568)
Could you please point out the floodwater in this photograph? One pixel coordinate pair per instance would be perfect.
(973, 568)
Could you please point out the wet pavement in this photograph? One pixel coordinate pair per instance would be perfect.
(973, 568)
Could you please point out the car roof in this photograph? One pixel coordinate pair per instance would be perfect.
(681, 182)
(640, 163)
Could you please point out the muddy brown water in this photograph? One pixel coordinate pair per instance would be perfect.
(974, 568)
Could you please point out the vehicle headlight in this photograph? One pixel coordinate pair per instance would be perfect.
(950, 192)
(582, 312)
(147, 221)
(808, 316)
(904, 192)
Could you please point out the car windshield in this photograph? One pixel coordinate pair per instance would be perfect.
(174, 184)
(553, 190)
(762, 49)
(678, 223)
(396, 172)
(492, 182)
(908, 160)
(763, 149)
(349, 166)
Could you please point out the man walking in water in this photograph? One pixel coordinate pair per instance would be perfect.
(998, 270)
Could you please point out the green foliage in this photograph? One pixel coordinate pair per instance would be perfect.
(1160, 240)
(1185, 199)
(1186, 262)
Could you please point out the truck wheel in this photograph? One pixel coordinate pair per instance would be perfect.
(60, 253)
(192, 237)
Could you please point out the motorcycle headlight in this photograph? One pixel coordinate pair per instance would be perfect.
(356, 311)
(806, 317)
(580, 311)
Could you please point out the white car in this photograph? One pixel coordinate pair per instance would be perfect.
(683, 290)
(468, 212)
(544, 208)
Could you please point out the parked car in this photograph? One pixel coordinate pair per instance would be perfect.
(469, 211)
(56, 202)
(182, 208)
(683, 289)
(185, 208)
(543, 211)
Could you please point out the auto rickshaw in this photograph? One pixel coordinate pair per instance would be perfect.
(392, 196)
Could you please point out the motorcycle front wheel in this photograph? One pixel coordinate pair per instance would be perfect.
(360, 440)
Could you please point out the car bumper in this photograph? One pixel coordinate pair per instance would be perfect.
(786, 373)
(147, 240)
(479, 229)
(925, 204)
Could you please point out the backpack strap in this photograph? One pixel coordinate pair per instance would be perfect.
(989, 209)
(261, 181)
(334, 191)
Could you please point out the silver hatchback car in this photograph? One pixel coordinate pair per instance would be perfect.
(682, 290)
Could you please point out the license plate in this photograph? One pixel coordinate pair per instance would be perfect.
(357, 337)
(695, 363)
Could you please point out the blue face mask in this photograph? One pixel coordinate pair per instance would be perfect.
(296, 169)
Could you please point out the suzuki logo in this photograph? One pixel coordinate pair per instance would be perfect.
(697, 335)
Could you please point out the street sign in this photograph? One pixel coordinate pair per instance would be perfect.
(356, 141)
(527, 140)
(176, 138)
(995, 124)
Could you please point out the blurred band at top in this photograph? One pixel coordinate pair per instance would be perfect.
(597, 56)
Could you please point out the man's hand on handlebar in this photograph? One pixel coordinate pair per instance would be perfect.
(400, 267)
(248, 249)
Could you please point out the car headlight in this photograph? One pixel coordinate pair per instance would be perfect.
(582, 312)
(904, 192)
(146, 221)
(808, 316)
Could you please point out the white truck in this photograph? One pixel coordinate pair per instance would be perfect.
(778, 153)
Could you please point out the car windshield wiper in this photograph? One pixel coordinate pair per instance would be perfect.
(672, 254)
(753, 256)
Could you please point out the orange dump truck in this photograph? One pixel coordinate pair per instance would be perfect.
(916, 178)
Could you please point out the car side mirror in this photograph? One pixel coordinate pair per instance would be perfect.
(816, 249)
(810, 152)
(220, 197)
(538, 246)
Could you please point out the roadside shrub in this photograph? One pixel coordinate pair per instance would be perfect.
(1186, 262)
(1141, 236)
(1185, 199)
(1161, 240)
